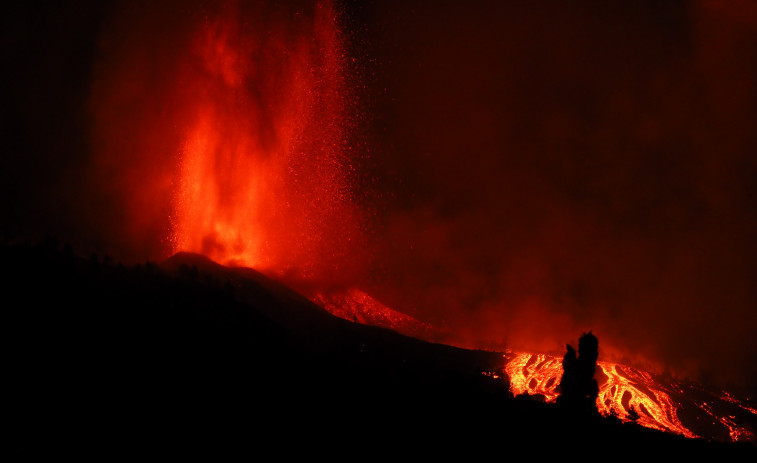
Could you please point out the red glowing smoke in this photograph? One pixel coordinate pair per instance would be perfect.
(538, 170)
(230, 119)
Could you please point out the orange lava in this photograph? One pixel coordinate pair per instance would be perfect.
(263, 176)
(357, 306)
(535, 374)
(623, 390)
(629, 388)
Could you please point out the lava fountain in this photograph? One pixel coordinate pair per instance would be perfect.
(223, 127)
(262, 178)
(233, 117)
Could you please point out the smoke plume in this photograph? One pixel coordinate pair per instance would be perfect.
(514, 172)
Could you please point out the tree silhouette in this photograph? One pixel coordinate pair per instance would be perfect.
(578, 388)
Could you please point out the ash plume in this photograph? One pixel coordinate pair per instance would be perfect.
(527, 170)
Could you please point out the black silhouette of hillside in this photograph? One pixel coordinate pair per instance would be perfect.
(188, 357)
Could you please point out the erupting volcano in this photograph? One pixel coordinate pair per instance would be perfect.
(485, 179)
(264, 179)
(245, 146)
(244, 152)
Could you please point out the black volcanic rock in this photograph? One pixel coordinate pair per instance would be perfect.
(189, 356)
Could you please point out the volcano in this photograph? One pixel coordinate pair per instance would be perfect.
(630, 393)
(378, 223)
(191, 355)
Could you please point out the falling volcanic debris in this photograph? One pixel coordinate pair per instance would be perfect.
(263, 180)
(230, 119)
(542, 169)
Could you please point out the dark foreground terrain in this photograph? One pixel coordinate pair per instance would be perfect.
(188, 357)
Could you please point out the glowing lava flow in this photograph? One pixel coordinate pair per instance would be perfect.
(627, 392)
(535, 374)
(357, 306)
(623, 389)
(629, 389)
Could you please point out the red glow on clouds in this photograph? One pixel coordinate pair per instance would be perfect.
(225, 128)
(515, 198)
(262, 180)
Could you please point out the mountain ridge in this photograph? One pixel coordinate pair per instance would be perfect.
(113, 359)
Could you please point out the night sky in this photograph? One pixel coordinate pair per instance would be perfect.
(528, 170)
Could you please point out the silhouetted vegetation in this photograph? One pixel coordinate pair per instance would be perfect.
(578, 387)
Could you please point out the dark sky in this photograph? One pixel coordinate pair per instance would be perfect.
(536, 169)
(565, 166)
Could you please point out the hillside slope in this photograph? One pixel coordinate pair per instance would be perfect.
(191, 356)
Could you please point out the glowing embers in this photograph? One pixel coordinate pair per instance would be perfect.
(262, 178)
(736, 432)
(357, 306)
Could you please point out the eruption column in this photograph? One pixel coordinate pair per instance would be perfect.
(262, 178)
(223, 128)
